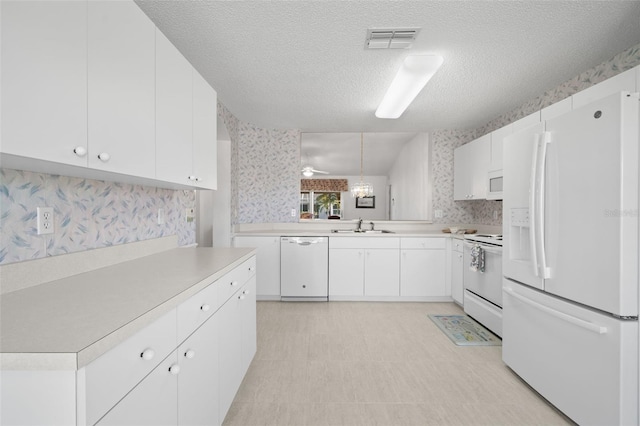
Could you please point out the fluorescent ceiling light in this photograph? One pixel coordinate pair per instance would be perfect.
(414, 74)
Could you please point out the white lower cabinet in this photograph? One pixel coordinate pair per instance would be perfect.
(364, 267)
(422, 271)
(152, 401)
(457, 269)
(237, 343)
(268, 261)
(381, 272)
(199, 374)
(346, 271)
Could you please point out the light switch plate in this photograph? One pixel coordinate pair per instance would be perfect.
(190, 215)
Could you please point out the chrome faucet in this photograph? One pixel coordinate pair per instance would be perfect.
(359, 228)
(372, 226)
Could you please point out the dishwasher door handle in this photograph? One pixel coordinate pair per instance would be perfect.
(303, 242)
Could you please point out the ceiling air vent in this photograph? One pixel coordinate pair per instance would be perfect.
(391, 38)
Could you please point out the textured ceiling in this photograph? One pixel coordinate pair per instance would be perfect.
(303, 65)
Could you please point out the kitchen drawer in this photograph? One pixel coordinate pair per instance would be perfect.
(196, 310)
(115, 373)
(232, 281)
(364, 242)
(423, 243)
(457, 245)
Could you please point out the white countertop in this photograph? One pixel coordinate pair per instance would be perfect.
(271, 233)
(67, 323)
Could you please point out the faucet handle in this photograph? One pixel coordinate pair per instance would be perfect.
(372, 226)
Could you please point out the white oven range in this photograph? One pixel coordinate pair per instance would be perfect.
(483, 283)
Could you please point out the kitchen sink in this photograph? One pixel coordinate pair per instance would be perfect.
(364, 231)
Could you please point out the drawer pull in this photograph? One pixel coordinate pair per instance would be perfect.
(174, 369)
(205, 307)
(234, 283)
(245, 292)
(80, 151)
(251, 268)
(241, 297)
(190, 353)
(148, 354)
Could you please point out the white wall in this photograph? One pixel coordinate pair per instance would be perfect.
(409, 180)
(221, 198)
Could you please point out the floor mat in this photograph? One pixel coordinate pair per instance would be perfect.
(464, 331)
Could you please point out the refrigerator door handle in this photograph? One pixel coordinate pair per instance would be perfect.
(532, 207)
(560, 315)
(545, 271)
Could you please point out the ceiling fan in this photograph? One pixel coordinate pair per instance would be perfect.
(308, 171)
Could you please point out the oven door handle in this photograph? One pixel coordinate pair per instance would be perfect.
(487, 248)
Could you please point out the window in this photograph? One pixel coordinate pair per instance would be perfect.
(320, 205)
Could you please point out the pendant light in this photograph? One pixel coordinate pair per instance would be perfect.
(361, 189)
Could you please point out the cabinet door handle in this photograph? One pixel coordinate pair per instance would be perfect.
(104, 157)
(234, 283)
(245, 292)
(205, 307)
(80, 151)
(251, 268)
(190, 353)
(148, 354)
(241, 297)
(174, 369)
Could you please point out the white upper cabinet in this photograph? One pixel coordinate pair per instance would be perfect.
(186, 121)
(174, 114)
(121, 67)
(625, 81)
(205, 133)
(497, 138)
(44, 80)
(470, 166)
(559, 108)
(525, 122)
(95, 84)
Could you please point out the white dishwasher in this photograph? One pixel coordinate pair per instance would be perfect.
(304, 268)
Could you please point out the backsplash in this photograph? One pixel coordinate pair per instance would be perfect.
(88, 214)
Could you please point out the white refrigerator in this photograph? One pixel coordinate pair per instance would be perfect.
(570, 260)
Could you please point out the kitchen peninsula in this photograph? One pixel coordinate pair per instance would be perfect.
(137, 330)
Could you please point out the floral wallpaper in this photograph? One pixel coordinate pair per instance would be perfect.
(265, 175)
(88, 214)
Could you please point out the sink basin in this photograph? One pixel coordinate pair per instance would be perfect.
(364, 231)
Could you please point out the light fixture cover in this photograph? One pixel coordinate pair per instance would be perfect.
(414, 74)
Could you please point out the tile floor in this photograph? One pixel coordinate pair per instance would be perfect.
(344, 363)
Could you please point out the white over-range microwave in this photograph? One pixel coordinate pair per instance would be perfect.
(494, 185)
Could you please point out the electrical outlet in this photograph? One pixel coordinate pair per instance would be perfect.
(160, 216)
(293, 212)
(190, 215)
(495, 214)
(45, 220)
(438, 214)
